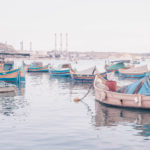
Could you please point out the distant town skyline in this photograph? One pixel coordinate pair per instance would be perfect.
(92, 25)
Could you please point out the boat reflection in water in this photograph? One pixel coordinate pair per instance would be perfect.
(112, 116)
(11, 102)
(21, 89)
(68, 82)
(60, 79)
(9, 94)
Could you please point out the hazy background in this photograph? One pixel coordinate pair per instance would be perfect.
(98, 25)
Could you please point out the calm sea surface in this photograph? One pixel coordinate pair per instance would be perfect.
(44, 116)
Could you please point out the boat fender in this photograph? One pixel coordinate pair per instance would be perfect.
(103, 96)
(138, 100)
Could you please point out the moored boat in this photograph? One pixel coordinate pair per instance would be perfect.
(136, 72)
(135, 95)
(37, 67)
(62, 70)
(11, 75)
(115, 67)
(86, 75)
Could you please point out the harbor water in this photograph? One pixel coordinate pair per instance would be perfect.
(43, 116)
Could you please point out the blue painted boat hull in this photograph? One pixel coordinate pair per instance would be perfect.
(132, 75)
(38, 69)
(82, 78)
(63, 73)
(16, 75)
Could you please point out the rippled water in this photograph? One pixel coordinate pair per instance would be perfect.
(43, 116)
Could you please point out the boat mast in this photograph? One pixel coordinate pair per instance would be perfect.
(67, 53)
(61, 43)
(66, 42)
(55, 43)
(21, 45)
(30, 46)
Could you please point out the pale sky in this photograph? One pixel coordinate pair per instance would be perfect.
(92, 25)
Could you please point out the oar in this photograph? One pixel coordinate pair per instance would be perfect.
(76, 99)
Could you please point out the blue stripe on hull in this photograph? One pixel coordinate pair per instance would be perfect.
(9, 72)
(61, 75)
(59, 71)
(132, 76)
(22, 79)
(9, 79)
(108, 71)
(46, 70)
(16, 79)
(37, 67)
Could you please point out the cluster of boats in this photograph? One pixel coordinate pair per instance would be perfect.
(65, 70)
(107, 91)
(133, 95)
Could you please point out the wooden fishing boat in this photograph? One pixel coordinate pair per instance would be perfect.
(12, 75)
(86, 75)
(37, 67)
(137, 95)
(114, 67)
(136, 72)
(61, 71)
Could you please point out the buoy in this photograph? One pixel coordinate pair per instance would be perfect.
(76, 99)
